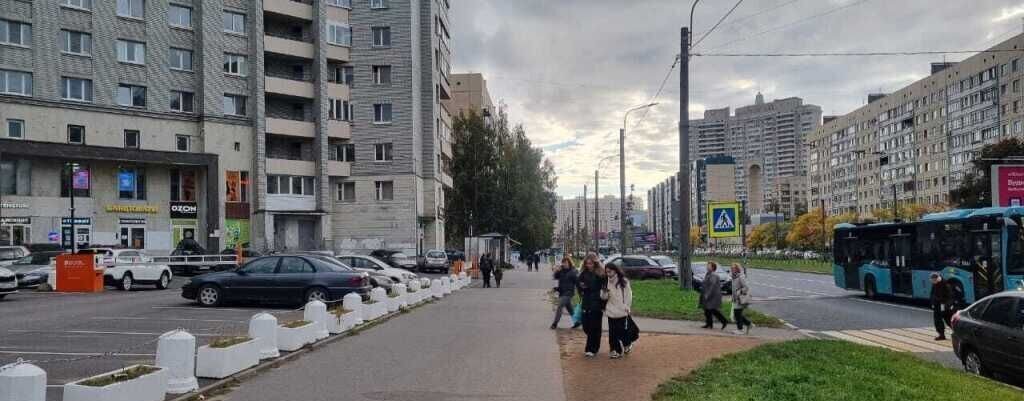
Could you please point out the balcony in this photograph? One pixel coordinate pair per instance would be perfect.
(339, 53)
(446, 147)
(289, 87)
(291, 167)
(445, 179)
(288, 47)
(338, 91)
(337, 129)
(444, 87)
(339, 169)
(281, 126)
(289, 8)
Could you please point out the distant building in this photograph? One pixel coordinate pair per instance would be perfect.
(712, 179)
(469, 92)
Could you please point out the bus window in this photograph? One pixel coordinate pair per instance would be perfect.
(927, 247)
(1015, 250)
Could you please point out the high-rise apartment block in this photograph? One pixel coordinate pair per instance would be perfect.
(469, 92)
(284, 124)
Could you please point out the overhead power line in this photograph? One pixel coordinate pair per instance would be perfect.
(792, 23)
(720, 20)
(756, 14)
(658, 93)
(858, 54)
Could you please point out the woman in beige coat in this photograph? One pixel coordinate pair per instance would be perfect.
(617, 310)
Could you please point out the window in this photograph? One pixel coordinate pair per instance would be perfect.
(382, 152)
(340, 3)
(234, 64)
(183, 185)
(385, 190)
(293, 265)
(15, 177)
(234, 105)
(179, 16)
(82, 181)
(15, 128)
(131, 139)
(76, 134)
(340, 110)
(74, 42)
(343, 75)
(83, 4)
(181, 59)
(261, 266)
(291, 185)
(15, 33)
(999, 311)
(381, 36)
(182, 101)
(234, 22)
(378, 4)
(182, 143)
(76, 89)
(237, 186)
(345, 152)
(382, 74)
(131, 52)
(15, 83)
(131, 184)
(339, 34)
(346, 192)
(382, 113)
(131, 95)
(131, 8)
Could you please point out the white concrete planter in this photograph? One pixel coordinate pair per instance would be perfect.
(150, 387)
(263, 327)
(393, 304)
(291, 339)
(376, 310)
(218, 363)
(349, 321)
(354, 303)
(22, 381)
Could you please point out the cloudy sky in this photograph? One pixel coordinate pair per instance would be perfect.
(567, 70)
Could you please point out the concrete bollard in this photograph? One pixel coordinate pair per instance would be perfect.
(316, 312)
(446, 286)
(176, 352)
(354, 303)
(464, 279)
(263, 327)
(436, 288)
(22, 381)
(380, 302)
(414, 292)
(403, 296)
(456, 284)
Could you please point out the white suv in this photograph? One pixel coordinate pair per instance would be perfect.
(9, 254)
(127, 267)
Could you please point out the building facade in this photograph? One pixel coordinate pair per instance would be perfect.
(712, 179)
(915, 144)
(469, 92)
(663, 211)
(570, 212)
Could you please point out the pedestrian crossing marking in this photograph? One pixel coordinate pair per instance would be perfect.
(916, 340)
(928, 337)
(888, 343)
(908, 339)
(723, 222)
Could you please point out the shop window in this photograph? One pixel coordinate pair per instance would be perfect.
(131, 184)
(183, 185)
(15, 177)
(237, 186)
(80, 178)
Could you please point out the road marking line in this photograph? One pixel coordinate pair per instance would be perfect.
(790, 289)
(858, 340)
(168, 319)
(913, 308)
(124, 333)
(209, 309)
(909, 340)
(70, 353)
(929, 338)
(901, 346)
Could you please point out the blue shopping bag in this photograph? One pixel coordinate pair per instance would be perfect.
(577, 314)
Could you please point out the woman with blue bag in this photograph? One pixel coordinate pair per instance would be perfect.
(566, 289)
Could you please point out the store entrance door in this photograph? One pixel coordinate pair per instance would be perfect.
(133, 237)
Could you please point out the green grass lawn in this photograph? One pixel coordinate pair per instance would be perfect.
(829, 371)
(662, 299)
(793, 265)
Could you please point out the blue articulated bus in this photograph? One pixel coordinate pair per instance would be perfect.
(979, 251)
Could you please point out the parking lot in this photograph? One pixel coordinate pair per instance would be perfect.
(74, 336)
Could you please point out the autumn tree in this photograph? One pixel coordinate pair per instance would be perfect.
(770, 235)
(908, 211)
(808, 233)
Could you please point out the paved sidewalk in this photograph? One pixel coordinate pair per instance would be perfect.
(477, 344)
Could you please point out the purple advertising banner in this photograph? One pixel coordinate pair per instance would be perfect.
(80, 179)
(1007, 185)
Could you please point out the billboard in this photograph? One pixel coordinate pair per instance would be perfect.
(723, 219)
(1007, 185)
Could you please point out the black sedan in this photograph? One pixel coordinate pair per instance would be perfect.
(700, 269)
(988, 336)
(291, 279)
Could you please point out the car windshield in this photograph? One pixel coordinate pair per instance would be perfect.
(663, 260)
(436, 254)
(399, 255)
(332, 264)
(27, 260)
(699, 269)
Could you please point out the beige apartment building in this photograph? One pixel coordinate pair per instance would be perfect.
(915, 144)
(469, 92)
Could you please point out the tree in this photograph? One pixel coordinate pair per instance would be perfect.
(908, 211)
(975, 189)
(807, 232)
(696, 240)
(763, 236)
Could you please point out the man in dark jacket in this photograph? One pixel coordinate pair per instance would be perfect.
(567, 278)
(486, 267)
(942, 305)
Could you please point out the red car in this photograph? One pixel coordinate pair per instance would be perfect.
(637, 266)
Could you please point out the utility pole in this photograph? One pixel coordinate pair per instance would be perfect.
(597, 211)
(685, 273)
(586, 215)
(622, 189)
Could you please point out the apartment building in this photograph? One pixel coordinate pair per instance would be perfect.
(765, 139)
(567, 210)
(229, 120)
(915, 144)
(712, 179)
(663, 211)
(469, 92)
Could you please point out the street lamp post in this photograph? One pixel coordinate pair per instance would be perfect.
(622, 176)
(597, 201)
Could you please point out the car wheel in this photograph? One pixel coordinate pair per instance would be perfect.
(869, 288)
(2, 296)
(972, 364)
(209, 295)
(127, 282)
(164, 282)
(316, 294)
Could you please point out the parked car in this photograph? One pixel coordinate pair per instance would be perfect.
(637, 266)
(395, 259)
(290, 279)
(373, 265)
(8, 254)
(669, 265)
(8, 282)
(377, 278)
(126, 268)
(700, 269)
(436, 260)
(44, 247)
(454, 255)
(34, 269)
(988, 336)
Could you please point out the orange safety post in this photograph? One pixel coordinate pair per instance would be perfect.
(238, 253)
(78, 273)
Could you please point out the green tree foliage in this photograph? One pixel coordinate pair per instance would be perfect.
(807, 233)
(769, 235)
(975, 189)
(501, 183)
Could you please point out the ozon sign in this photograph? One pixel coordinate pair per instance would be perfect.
(184, 210)
(1007, 185)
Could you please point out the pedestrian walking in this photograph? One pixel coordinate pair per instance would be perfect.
(486, 267)
(593, 291)
(740, 299)
(711, 298)
(942, 305)
(499, 272)
(617, 310)
(567, 278)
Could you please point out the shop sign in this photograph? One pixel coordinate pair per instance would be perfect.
(126, 181)
(7, 221)
(131, 209)
(184, 210)
(80, 179)
(1007, 185)
(132, 221)
(53, 236)
(79, 221)
(9, 205)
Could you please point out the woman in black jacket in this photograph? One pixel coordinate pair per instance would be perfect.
(591, 283)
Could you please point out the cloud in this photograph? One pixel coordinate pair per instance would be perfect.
(1008, 13)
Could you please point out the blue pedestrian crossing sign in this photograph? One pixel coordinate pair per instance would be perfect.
(723, 219)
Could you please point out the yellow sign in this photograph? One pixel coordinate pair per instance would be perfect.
(724, 219)
(132, 209)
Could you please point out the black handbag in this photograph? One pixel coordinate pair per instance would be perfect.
(632, 331)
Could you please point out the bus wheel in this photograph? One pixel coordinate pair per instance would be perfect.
(869, 288)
